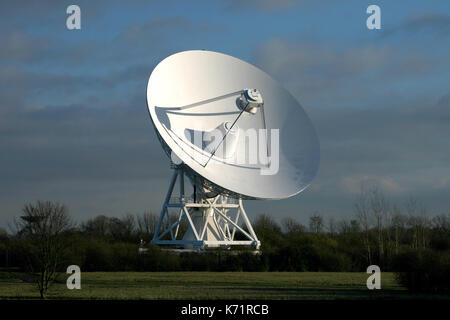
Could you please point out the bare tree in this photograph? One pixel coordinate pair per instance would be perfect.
(316, 223)
(418, 222)
(397, 223)
(146, 224)
(97, 227)
(379, 209)
(292, 226)
(343, 227)
(442, 222)
(44, 224)
(332, 226)
(362, 208)
(4, 240)
(265, 222)
(129, 226)
(122, 229)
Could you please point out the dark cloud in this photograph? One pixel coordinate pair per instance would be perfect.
(265, 5)
(260, 4)
(73, 118)
(74, 125)
(140, 42)
(30, 84)
(438, 22)
(329, 75)
(428, 22)
(19, 45)
(76, 142)
(158, 28)
(78, 153)
(398, 142)
(403, 150)
(94, 128)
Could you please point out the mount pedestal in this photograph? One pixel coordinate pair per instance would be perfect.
(211, 221)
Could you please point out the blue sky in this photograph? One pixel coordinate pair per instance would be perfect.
(74, 127)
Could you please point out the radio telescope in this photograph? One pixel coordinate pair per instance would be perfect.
(235, 134)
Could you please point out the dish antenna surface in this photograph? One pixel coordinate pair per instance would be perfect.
(236, 134)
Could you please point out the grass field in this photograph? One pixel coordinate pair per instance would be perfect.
(211, 285)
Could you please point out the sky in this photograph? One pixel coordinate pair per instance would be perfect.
(74, 127)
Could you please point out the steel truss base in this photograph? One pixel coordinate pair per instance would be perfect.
(212, 221)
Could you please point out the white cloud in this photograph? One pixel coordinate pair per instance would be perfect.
(327, 74)
(353, 185)
(443, 183)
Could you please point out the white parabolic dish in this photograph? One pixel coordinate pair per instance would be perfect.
(201, 88)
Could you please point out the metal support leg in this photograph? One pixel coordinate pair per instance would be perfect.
(209, 219)
(164, 208)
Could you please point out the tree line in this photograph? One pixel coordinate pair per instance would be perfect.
(44, 240)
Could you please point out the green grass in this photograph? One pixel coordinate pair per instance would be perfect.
(211, 285)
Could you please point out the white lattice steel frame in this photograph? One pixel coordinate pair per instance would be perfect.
(216, 213)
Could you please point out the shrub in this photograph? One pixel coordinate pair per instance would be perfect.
(424, 270)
